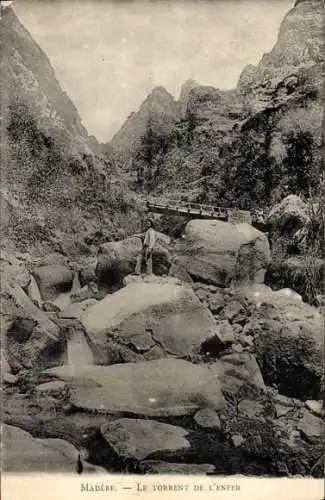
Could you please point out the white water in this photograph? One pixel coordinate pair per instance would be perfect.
(79, 352)
(76, 283)
(33, 290)
(63, 300)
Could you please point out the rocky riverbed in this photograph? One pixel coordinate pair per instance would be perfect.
(205, 370)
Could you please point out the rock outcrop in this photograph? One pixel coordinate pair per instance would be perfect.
(300, 45)
(303, 274)
(277, 329)
(219, 253)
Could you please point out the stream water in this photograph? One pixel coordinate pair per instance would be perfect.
(33, 291)
(78, 350)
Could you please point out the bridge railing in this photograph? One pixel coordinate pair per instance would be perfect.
(186, 206)
(190, 207)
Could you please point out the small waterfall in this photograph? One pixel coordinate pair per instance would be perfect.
(76, 283)
(33, 291)
(63, 300)
(79, 352)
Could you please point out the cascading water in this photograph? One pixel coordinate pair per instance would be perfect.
(76, 283)
(78, 350)
(33, 291)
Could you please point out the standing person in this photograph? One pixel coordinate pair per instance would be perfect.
(145, 257)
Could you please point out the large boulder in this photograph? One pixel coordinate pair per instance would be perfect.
(24, 453)
(53, 280)
(29, 338)
(138, 439)
(219, 253)
(118, 259)
(149, 319)
(288, 341)
(163, 387)
(289, 215)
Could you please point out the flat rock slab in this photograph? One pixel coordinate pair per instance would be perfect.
(161, 467)
(138, 439)
(143, 315)
(161, 387)
(24, 453)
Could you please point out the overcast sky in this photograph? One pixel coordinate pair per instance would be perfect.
(109, 55)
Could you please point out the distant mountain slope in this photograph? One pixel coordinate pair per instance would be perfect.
(159, 109)
(253, 144)
(48, 163)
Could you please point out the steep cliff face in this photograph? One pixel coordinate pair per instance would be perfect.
(278, 148)
(159, 112)
(50, 175)
(300, 45)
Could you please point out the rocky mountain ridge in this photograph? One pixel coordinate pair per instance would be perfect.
(236, 145)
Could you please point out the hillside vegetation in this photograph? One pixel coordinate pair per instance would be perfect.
(55, 186)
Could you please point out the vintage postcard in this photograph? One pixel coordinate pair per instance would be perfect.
(162, 249)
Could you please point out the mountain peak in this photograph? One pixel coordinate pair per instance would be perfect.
(160, 108)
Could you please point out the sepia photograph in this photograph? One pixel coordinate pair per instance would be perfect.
(162, 242)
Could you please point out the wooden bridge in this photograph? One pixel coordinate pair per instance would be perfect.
(202, 211)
